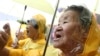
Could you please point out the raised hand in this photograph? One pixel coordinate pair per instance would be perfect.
(3, 39)
(6, 28)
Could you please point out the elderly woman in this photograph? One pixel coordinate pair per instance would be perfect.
(32, 46)
(77, 33)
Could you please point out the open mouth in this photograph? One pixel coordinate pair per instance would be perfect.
(27, 31)
(57, 36)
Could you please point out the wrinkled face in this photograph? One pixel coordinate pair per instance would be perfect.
(31, 31)
(67, 30)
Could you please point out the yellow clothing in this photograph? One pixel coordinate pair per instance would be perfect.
(28, 47)
(31, 48)
(41, 22)
(21, 43)
(93, 40)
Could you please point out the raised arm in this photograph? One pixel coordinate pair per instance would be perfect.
(3, 41)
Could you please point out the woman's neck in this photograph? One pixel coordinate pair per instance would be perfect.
(71, 52)
(68, 53)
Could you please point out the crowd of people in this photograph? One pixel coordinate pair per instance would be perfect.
(77, 34)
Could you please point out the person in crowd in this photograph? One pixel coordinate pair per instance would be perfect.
(31, 46)
(77, 33)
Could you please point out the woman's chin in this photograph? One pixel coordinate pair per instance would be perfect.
(56, 45)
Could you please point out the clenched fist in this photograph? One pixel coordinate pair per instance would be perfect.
(6, 28)
(3, 39)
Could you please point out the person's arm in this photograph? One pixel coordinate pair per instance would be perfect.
(15, 52)
(4, 52)
(11, 52)
(3, 42)
(7, 51)
(7, 30)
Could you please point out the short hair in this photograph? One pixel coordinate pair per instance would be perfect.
(84, 15)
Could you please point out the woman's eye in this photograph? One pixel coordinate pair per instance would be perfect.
(65, 22)
(58, 24)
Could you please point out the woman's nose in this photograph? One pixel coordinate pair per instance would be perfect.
(59, 28)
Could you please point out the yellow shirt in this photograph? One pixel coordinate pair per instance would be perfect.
(30, 48)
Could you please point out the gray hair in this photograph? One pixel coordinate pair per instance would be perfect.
(84, 14)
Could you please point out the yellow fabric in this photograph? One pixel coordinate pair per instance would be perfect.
(93, 40)
(28, 47)
(41, 22)
(21, 43)
(92, 43)
(29, 44)
(15, 52)
(33, 49)
(51, 51)
(10, 41)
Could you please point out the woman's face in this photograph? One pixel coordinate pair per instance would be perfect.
(31, 31)
(67, 30)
